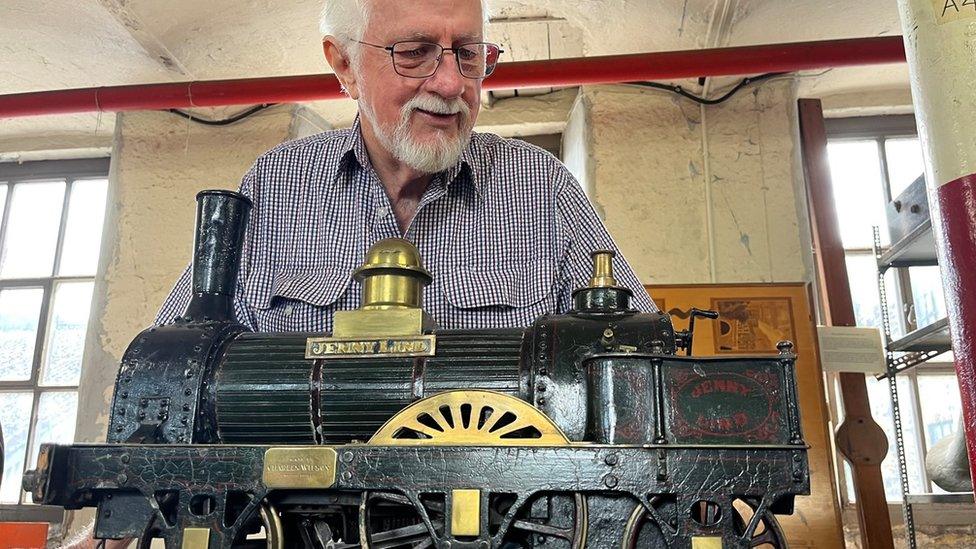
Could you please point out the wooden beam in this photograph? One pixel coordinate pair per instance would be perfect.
(859, 438)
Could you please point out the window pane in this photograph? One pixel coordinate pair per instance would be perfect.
(32, 230)
(855, 169)
(905, 163)
(57, 412)
(862, 274)
(83, 230)
(66, 333)
(15, 412)
(941, 408)
(927, 294)
(881, 411)
(939, 394)
(20, 310)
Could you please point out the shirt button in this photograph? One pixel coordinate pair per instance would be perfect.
(288, 310)
(382, 212)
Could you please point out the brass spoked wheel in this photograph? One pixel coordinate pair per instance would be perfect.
(471, 418)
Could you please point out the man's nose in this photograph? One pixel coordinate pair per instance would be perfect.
(447, 80)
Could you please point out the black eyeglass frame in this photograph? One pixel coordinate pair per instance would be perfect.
(440, 56)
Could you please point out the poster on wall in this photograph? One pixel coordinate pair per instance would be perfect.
(752, 325)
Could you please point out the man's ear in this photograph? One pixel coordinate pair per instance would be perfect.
(341, 64)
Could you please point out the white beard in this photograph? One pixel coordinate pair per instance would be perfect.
(429, 157)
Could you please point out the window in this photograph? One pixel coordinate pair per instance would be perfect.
(872, 161)
(50, 235)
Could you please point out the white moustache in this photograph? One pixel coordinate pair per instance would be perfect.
(437, 105)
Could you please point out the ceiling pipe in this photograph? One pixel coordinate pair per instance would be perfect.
(611, 69)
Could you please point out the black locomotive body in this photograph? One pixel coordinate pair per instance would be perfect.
(583, 430)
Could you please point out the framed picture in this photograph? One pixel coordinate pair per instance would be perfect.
(752, 325)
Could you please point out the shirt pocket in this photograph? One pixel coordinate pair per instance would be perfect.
(511, 295)
(298, 301)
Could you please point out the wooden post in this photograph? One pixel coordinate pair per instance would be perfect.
(859, 438)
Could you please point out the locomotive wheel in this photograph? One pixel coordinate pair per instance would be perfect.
(273, 531)
(565, 529)
(768, 534)
(390, 521)
(469, 418)
(642, 533)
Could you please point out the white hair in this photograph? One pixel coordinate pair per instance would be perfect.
(347, 20)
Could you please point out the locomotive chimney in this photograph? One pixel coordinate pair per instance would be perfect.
(221, 221)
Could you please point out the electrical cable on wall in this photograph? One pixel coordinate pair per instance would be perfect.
(655, 85)
(224, 121)
(703, 100)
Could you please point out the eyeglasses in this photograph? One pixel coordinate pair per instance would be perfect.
(415, 59)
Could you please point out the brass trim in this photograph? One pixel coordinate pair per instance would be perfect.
(340, 347)
(299, 467)
(466, 512)
(196, 538)
(380, 323)
(703, 542)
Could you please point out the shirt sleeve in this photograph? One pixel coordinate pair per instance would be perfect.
(583, 233)
(179, 297)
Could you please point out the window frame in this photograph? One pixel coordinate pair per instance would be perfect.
(26, 173)
(879, 129)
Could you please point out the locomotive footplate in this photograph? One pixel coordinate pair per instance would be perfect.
(463, 497)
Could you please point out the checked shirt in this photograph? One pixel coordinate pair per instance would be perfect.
(506, 234)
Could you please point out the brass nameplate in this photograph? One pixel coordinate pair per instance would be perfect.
(299, 467)
(334, 347)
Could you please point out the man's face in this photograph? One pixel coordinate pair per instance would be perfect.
(396, 108)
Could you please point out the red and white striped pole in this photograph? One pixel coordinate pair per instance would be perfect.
(940, 42)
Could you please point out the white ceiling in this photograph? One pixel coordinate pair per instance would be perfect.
(52, 44)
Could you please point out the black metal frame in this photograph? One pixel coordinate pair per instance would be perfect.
(25, 173)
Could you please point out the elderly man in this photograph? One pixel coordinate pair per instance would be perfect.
(502, 225)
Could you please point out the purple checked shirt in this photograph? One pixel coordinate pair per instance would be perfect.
(507, 235)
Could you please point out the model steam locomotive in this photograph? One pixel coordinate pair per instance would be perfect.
(586, 429)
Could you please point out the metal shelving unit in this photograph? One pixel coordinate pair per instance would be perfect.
(917, 248)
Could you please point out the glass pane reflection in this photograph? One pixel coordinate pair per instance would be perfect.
(66, 333)
(32, 230)
(855, 170)
(83, 228)
(905, 163)
(20, 311)
(56, 412)
(15, 413)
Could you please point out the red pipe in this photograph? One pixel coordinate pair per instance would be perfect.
(529, 74)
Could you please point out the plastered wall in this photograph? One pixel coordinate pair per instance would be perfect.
(692, 194)
(159, 162)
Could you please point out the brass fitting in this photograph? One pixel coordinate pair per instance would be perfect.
(603, 269)
(393, 276)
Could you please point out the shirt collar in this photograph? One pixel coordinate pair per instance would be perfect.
(469, 167)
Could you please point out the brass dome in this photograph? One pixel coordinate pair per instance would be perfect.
(393, 276)
(393, 256)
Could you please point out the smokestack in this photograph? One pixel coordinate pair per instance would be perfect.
(221, 221)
